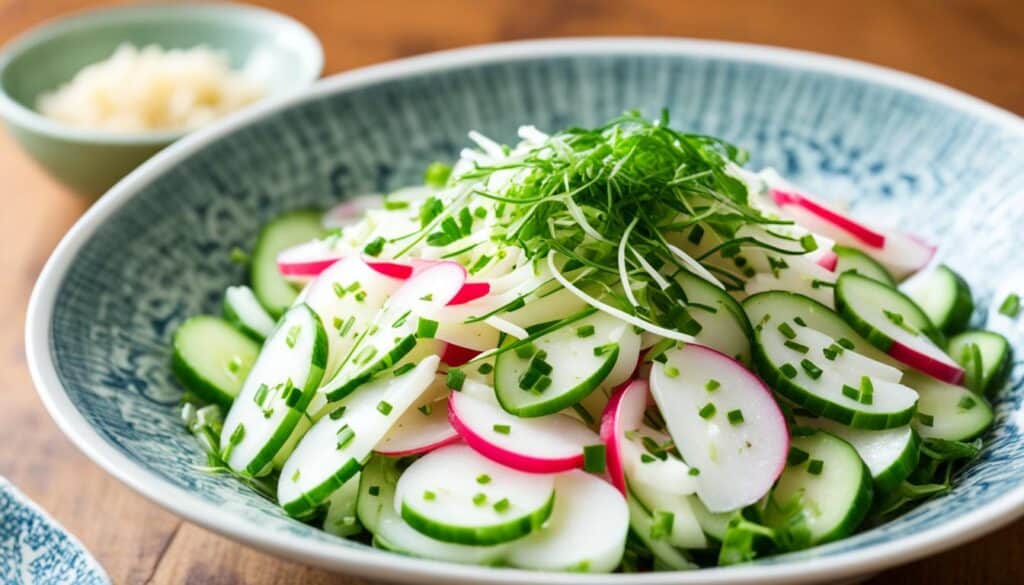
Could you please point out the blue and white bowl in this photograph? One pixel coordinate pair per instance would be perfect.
(156, 249)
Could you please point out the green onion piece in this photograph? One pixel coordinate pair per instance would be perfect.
(735, 416)
(502, 429)
(707, 411)
(437, 174)
(479, 499)
(788, 370)
(345, 436)
(337, 412)
(373, 490)
(671, 371)
(797, 347)
(662, 525)
(485, 368)
(594, 460)
(845, 343)
(501, 505)
(426, 328)
(967, 402)
(584, 331)
(712, 385)
(796, 456)
(403, 369)
(392, 205)
(429, 495)
(455, 379)
(815, 466)
(374, 247)
(483, 479)
(811, 368)
(384, 407)
(787, 331)
(693, 472)
(1010, 305)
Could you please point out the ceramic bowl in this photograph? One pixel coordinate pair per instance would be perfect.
(900, 149)
(284, 55)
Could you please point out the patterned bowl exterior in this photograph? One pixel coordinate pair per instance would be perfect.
(906, 152)
(35, 550)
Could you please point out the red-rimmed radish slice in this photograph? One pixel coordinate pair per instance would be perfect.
(456, 355)
(821, 218)
(307, 261)
(351, 210)
(546, 444)
(724, 422)
(471, 291)
(422, 428)
(625, 412)
(904, 254)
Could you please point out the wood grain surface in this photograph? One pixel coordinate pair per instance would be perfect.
(975, 46)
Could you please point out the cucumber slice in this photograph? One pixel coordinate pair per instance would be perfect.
(686, 530)
(376, 512)
(821, 373)
(827, 478)
(641, 522)
(347, 297)
(284, 231)
(853, 260)
(439, 495)
(724, 324)
(393, 333)
(948, 412)
(800, 276)
(944, 296)
(340, 519)
(893, 323)
(212, 359)
(984, 356)
(276, 392)
(581, 355)
(243, 310)
(890, 454)
(336, 447)
(574, 538)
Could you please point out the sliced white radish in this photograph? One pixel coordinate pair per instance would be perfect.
(454, 494)
(664, 499)
(799, 275)
(725, 424)
(347, 297)
(306, 261)
(546, 444)
(404, 318)
(333, 450)
(424, 427)
(818, 217)
(647, 463)
(585, 533)
(624, 413)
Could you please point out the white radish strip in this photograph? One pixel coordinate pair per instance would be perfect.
(347, 297)
(492, 148)
(424, 427)
(624, 413)
(585, 533)
(904, 254)
(277, 390)
(725, 423)
(334, 449)
(695, 266)
(242, 306)
(546, 444)
(621, 315)
(452, 327)
(507, 327)
(436, 496)
(822, 219)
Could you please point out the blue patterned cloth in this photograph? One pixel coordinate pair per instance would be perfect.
(35, 550)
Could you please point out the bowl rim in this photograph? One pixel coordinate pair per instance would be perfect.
(48, 30)
(373, 563)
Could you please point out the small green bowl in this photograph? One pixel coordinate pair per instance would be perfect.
(90, 161)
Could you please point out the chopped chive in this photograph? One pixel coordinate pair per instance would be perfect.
(1010, 305)
(502, 429)
(392, 205)
(542, 384)
(480, 212)
(967, 402)
(584, 331)
(787, 331)
(671, 371)
(800, 321)
(594, 458)
(898, 320)
(373, 490)
(235, 364)
(479, 264)
(851, 392)
(831, 352)
(606, 348)
(360, 296)
(538, 363)
(808, 243)
(455, 379)
(926, 419)
(645, 458)
(384, 407)
(237, 435)
(293, 335)
(429, 495)
(797, 347)
(483, 479)
(815, 466)
(796, 456)
(525, 350)
(296, 475)
(485, 369)
(501, 505)
(479, 499)
(354, 286)
(403, 369)
(425, 409)
(401, 319)
(696, 234)
(238, 256)
(427, 297)
(694, 472)
(426, 328)
(662, 525)
(437, 174)
(345, 436)
(811, 368)
(343, 331)
(374, 247)
(529, 379)
(845, 343)
(735, 416)
(707, 411)
(261, 394)
(337, 412)
(712, 385)
(788, 370)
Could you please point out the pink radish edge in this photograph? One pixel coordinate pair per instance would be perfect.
(611, 431)
(518, 461)
(828, 260)
(453, 438)
(456, 355)
(858, 230)
(926, 364)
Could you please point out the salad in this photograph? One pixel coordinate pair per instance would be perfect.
(608, 349)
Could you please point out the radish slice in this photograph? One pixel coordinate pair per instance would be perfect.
(585, 533)
(423, 428)
(456, 355)
(436, 496)
(828, 260)
(625, 412)
(471, 291)
(306, 261)
(725, 423)
(800, 276)
(821, 218)
(546, 444)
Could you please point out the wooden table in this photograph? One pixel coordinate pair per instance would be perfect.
(976, 46)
